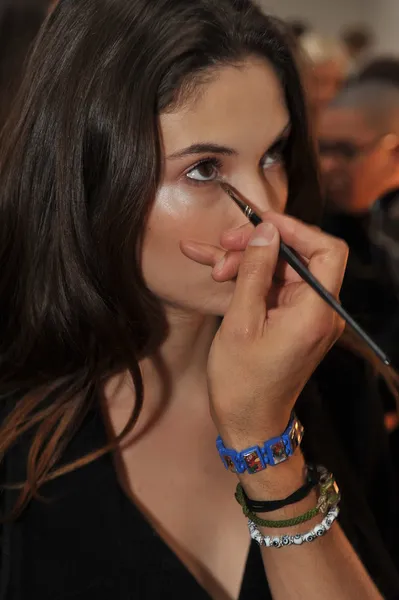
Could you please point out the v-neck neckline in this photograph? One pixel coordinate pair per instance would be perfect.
(254, 578)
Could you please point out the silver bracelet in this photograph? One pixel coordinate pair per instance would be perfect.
(297, 539)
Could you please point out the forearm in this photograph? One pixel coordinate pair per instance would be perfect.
(327, 568)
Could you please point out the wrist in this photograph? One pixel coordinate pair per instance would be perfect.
(241, 437)
(279, 483)
(269, 454)
(276, 482)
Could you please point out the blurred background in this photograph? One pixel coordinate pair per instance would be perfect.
(332, 18)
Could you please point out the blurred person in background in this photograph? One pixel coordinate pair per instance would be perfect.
(359, 153)
(358, 41)
(383, 68)
(298, 27)
(20, 21)
(325, 66)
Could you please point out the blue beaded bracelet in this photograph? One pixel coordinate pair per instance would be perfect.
(257, 458)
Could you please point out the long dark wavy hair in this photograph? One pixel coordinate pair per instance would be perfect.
(79, 168)
(20, 21)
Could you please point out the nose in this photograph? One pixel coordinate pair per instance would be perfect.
(328, 163)
(262, 195)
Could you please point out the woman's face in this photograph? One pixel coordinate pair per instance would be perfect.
(232, 129)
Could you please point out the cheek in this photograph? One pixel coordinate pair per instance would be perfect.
(170, 216)
(164, 267)
(179, 214)
(364, 173)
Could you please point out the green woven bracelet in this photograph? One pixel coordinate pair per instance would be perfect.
(275, 524)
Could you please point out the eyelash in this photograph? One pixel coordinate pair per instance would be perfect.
(278, 150)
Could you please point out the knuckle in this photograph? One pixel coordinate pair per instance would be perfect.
(242, 236)
(334, 255)
(238, 236)
(339, 327)
(324, 332)
(265, 213)
(333, 328)
(341, 247)
(322, 328)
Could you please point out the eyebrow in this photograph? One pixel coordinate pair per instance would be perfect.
(211, 148)
(203, 148)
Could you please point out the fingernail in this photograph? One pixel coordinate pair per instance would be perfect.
(219, 265)
(263, 235)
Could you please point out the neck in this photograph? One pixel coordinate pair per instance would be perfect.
(176, 372)
(183, 356)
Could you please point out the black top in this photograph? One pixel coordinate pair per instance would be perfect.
(90, 543)
(370, 290)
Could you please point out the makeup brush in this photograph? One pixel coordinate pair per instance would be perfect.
(292, 258)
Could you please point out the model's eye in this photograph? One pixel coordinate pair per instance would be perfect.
(274, 156)
(204, 171)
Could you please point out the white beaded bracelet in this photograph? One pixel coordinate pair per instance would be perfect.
(297, 539)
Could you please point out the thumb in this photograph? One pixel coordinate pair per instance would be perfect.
(255, 275)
